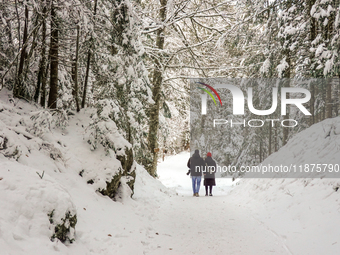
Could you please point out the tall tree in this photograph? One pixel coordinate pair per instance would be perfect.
(54, 58)
(20, 89)
(88, 61)
(75, 72)
(157, 79)
(40, 93)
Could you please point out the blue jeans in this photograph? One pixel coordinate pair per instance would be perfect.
(196, 183)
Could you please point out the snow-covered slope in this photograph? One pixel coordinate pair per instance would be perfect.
(304, 212)
(49, 177)
(52, 169)
(314, 152)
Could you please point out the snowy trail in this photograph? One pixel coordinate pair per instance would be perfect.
(206, 225)
(258, 216)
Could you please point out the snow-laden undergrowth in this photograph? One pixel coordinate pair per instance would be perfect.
(55, 169)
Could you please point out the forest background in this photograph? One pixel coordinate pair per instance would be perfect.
(132, 59)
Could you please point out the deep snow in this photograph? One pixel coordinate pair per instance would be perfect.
(251, 216)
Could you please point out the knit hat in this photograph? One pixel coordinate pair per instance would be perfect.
(208, 154)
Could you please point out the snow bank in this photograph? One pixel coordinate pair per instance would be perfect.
(303, 212)
(26, 200)
(149, 189)
(318, 144)
(50, 175)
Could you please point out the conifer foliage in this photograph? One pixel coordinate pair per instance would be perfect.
(138, 56)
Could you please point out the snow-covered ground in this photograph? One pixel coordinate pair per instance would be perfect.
(303, 212)
(208, 225)
(259, 216)
(41, 173)
(251, 216)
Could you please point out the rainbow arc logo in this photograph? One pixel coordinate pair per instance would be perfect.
(209, 93)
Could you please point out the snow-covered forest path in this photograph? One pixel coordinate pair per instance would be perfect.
(185, 224)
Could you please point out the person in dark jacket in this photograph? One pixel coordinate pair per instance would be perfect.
(209, 174)
(196, 164)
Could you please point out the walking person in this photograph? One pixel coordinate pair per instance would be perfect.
(196, 163)
(209, 175)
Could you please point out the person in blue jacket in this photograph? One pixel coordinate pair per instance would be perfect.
(196, 164)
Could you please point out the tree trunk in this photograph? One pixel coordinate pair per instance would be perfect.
(157, 80)
(317, 109)
(275, 140)
(19, 90)
(285, 130)
(8, 29)
(270, 140)
(323, 90)
(88, 61)
(33, 44)
(312, 102)
(261, 152)
(76, 72)
(312, 34)
(337, 96)
(53, 95)
(41, 85)
(42, 62)
(329, 103)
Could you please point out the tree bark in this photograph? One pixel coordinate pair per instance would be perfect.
(41, 84)
(317, 110)
(329, 98)
(19, 90)
(275, 140)
(53, 95)
(76, 72)
(323, 90)
(260, 152)
(337, 96)
(270, 140)
(33, 45)
(157, 80)
(312, 103)
(312, 34)
(89, 53)
(285, 130)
